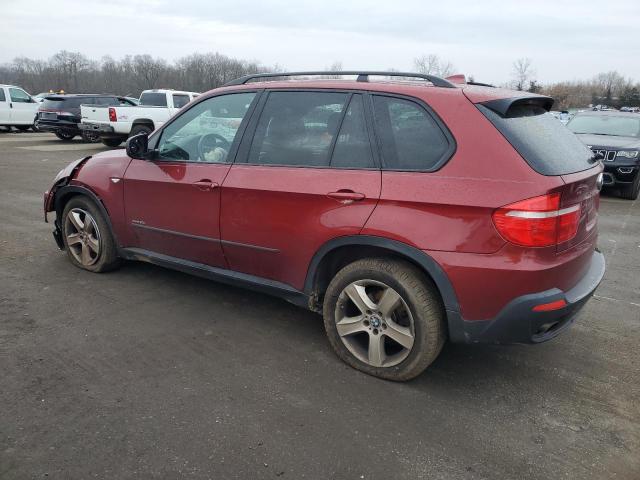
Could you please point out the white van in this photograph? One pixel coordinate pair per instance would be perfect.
(17, 108)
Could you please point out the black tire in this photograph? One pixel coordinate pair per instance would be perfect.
(107, 257)
(419, 294)
(90, 137)
(65, 136)
(23, 128)
(631, 192)
(34, 127)
(138, 129)
(112, 142)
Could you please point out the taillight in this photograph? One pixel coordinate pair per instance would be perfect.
(112, 115)
(537, 222)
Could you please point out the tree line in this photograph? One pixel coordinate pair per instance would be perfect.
(199, 72)
(74, 72)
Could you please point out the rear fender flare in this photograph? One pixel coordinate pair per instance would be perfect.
(416, 256)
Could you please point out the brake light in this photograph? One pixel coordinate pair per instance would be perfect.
(537, 222)
(112, 115)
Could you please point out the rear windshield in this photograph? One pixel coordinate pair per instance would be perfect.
(606, 125)
(547, 146)
(151, 99)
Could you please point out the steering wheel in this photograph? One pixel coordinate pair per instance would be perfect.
(210, 142)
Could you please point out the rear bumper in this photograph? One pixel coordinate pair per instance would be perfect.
(519, 323)
(101, 128)
(56, 126)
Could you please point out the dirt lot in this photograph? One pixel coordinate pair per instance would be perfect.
(148, 373)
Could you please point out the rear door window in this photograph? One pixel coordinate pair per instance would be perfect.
(410, 138)
(353, 147)
(180, 100)
(547, 146)
(153, 99)
(297, 128)
(3, 97)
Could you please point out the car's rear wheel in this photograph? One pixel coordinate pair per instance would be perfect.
(138, 129)
(64, 136)
(385, 318)
(631, 192)
(87, 236)
(112, 142)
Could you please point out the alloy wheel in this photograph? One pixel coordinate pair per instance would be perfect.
(83, 236)
(374, 323)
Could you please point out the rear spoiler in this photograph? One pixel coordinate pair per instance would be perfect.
(502, 105)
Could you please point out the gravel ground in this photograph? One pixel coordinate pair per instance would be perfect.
(148, 373)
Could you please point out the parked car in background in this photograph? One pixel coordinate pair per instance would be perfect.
(41, 96)
(614, 137)
(115, 124)
(60, 113)
(406, 212)
(17, 108)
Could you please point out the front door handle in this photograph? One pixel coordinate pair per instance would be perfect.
(205, 185)
(346, 196)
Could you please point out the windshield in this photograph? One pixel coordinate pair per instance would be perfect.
(606, 125)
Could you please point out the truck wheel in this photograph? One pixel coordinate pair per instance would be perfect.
(23, 128)
(630, 192)
(64, 136)
(87, 236)
(138, 129)
(385, 318)
(112, 142)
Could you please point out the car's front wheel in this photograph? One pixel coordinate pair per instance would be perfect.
(631, 192)
(87, 236)
(385, 318)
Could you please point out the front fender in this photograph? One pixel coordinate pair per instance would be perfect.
(63, 178)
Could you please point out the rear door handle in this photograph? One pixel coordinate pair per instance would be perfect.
(346, 196)
(205, 185)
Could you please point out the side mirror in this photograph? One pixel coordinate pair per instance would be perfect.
(138, 146)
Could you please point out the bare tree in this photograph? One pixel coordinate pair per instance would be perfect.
(609, 84)
(433, 65)
(523, 73)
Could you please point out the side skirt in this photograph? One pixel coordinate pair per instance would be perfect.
(222, 275)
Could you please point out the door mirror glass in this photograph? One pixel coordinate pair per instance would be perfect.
(138, 146)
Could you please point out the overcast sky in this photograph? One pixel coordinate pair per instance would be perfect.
(565, 39)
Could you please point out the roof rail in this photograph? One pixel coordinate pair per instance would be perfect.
(363, 76)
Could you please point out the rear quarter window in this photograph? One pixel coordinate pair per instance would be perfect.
(3, 98)
(410, 137)
(546, 145)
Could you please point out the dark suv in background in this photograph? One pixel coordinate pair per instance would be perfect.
(60, 113)
(407, 213)
(614, 137)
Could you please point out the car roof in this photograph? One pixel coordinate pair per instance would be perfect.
(416, 88)
(607, 113)
(168, 90)
(62, 96)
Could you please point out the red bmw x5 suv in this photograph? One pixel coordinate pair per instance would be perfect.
(407, 212)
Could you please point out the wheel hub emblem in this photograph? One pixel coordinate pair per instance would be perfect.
(375, 321)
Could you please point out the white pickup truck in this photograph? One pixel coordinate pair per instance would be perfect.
(116, 124)
(17, 108)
